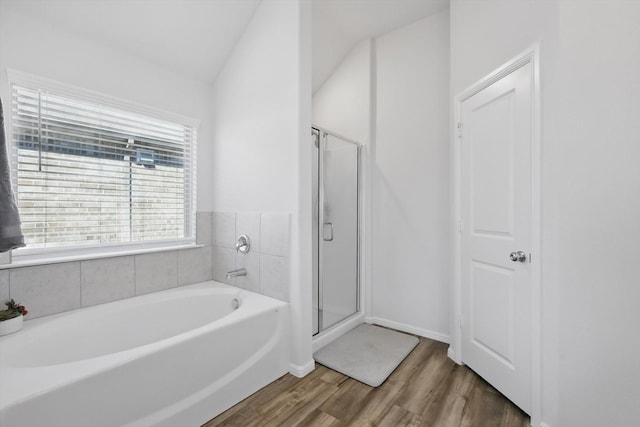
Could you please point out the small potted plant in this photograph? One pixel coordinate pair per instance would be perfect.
(11, 318)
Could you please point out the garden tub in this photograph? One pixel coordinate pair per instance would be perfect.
(172, 358)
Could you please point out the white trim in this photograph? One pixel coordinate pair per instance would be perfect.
(327, 336)
(452, 355)
(68, 257)
(302, 371)
(368, 156)
(26, 79)
(27, 256)
(536, 242)
(437, 336)
(364, 235)
(531, 55)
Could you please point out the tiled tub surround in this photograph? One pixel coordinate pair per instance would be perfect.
(55, 288)
(267, 262)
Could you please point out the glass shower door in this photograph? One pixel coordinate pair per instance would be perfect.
(338, 162)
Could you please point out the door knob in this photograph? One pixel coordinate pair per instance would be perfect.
(518, 256)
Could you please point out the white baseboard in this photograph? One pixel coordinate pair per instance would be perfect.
(437, 336)
(302, 371)
(452, 355)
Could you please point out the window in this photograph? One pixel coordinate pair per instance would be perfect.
(90, 173)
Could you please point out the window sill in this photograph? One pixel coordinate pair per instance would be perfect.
(15, 263)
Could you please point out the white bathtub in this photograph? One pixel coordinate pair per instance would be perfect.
(175, 358)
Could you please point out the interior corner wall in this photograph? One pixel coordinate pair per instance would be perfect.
(260, 121)
(410, 168)
(255, 115)
(42, 49)
(590, 182)
(405, 73)
(301, 296)
(342, 104)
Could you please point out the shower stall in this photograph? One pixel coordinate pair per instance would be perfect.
(336, 284)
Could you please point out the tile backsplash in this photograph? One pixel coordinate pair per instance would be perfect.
(107, 279)
(55, 288)
(47, 289)
(4, 286)
(267, 262)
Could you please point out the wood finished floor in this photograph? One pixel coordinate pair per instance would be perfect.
(427, 389)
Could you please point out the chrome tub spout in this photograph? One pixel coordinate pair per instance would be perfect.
(236, 273)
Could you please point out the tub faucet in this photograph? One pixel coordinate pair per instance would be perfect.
(237, 272)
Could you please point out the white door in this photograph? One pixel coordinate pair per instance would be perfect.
(496, 137)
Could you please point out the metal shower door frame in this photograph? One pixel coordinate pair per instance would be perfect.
(322, 141)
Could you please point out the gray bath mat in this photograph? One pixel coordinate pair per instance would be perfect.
(368, 353)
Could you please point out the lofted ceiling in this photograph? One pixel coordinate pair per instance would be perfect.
(195, 37)
(191, 37)
(338, 25)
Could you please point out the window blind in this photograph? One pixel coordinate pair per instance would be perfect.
(89, 174)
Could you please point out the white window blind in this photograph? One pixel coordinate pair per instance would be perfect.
(92, 174)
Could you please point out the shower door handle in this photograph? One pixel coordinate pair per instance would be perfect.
(327, 231)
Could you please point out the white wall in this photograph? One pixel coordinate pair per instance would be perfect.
(262, 138)
(392, 95)
(591, 179)
(255, 115)
(250, 136)
(411, 267)
(342, 104)
(39, 48)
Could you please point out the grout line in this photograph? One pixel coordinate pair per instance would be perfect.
(80, 275)
(177, 271)
(135, 275)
